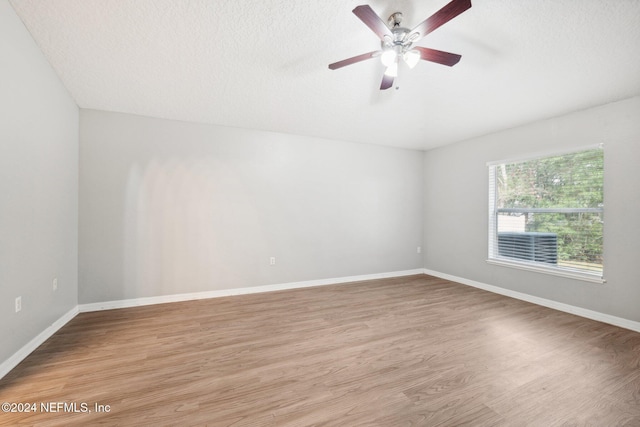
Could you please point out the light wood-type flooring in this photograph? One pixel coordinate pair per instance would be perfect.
(410, 351)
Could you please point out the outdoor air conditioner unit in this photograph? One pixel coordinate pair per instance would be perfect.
(529, 246)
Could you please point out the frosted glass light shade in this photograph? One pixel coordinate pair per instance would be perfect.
(388, 57)
(392, 70)
(411, 57)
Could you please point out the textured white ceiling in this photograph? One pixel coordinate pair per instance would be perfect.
(262, 64)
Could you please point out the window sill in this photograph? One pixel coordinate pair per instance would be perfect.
(593, 278)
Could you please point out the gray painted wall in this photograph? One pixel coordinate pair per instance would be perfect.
(169, 207)
(38, 189)
(456, 206)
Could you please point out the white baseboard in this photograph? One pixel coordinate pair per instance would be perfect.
(26, 350)
(135, 302)
(578, 311)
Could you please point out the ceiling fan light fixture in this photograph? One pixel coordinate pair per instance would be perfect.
(392, 70)
(411, 57)
(388, 57)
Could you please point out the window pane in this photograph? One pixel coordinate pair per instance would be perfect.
(549, 211)
(569, 240)
(569, 181)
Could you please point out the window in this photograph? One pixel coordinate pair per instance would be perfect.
(547, 214)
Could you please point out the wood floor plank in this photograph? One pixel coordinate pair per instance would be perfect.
(410, 351)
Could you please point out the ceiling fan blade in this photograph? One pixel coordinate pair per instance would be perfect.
(444, 15)
(353, 60)
(387, 82)
(372, 20)
(444, 58)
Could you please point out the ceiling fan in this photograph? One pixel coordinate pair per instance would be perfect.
(398, 42)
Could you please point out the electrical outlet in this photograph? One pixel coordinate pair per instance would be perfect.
(55, 284)
(272, 260)
(419, 250)
(18, 304)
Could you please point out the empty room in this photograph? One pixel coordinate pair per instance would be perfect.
(296, 213)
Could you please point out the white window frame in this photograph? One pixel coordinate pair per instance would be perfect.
(493, 226)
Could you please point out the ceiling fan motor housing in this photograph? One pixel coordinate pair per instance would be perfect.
(400, 40)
